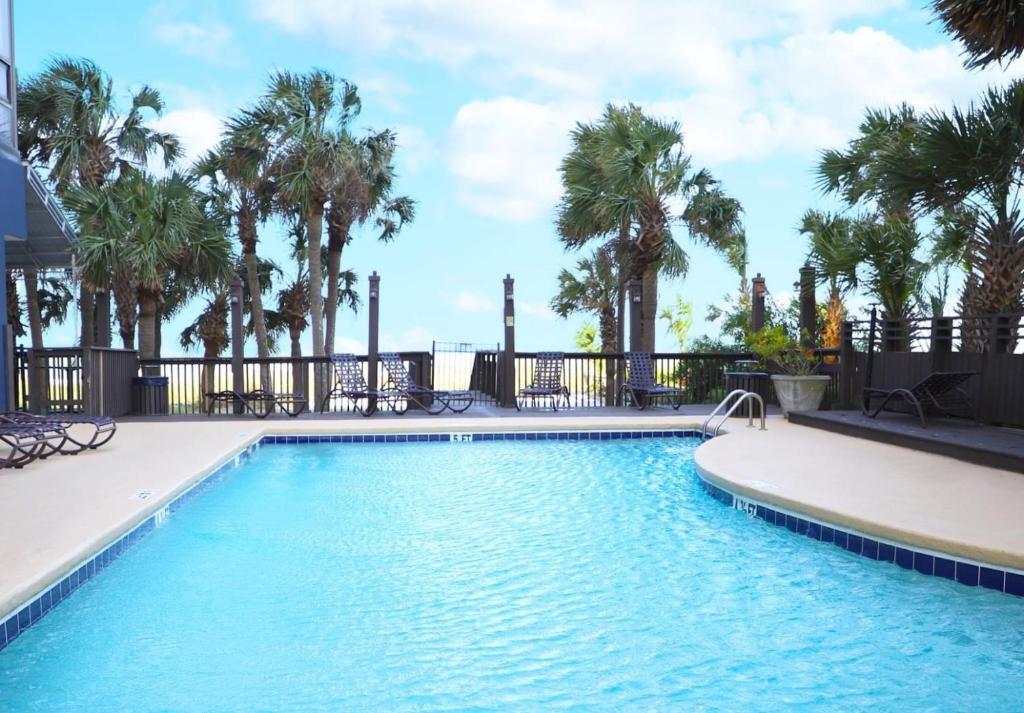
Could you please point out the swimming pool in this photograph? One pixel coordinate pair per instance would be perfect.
(502, 575)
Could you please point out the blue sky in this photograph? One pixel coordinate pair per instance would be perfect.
(483, 95)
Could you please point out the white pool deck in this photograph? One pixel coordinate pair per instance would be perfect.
(57, 513)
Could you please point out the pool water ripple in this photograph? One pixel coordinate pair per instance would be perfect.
(503, 576)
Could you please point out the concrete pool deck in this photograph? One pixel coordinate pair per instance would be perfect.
(56, 514)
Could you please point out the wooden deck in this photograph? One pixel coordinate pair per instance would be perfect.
(956, 438)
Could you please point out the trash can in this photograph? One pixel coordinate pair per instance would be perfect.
(150, 396)
(757, 381)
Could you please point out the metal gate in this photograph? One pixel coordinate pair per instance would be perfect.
(462, 365)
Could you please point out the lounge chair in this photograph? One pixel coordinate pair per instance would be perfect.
(430, 400)
(939, 393)
(100, 428)
(547, 381)
(259, 403)
(25, 443)
(641, 387)
(351, 384)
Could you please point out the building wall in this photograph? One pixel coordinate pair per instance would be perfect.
(13, 221)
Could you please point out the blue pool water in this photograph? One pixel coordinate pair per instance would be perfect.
(503, 576)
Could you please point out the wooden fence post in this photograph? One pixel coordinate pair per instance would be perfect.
(372, 341)
(808, 307)
(237, 343)
(847, 365)
(508, 357)
(757, 304)
(942, 342)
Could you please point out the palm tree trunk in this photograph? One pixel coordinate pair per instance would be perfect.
(126, 311)
(158, 331)
(35, 318)
(259, 320)
(336, 235)
(649, 307)
(148, 307)
(607, 328)
(248, 236)
(87, 306)
(314, 227)
(298, 368)
(39, 386)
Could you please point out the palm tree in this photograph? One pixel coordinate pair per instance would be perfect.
(858, 173)
(147, 227)
(990, 30)
(834, 255)
(594, 289)
(628, 174)
(210, 328)
(970, 161)
(363, 191)
(239, 172)
(310, 115)
(69, 122)
(888, 249)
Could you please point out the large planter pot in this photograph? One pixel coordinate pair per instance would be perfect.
(800, 393)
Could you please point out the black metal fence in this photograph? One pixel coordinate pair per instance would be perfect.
(458, 366)
(48, 380)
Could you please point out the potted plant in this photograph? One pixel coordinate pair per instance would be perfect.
(797, 385)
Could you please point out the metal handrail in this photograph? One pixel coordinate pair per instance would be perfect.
(750, 418)
(743, 396)
(719, 407)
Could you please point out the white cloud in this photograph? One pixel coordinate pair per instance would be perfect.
(505, 152)
(415, 149)
(537, 311)
(198, 129)
(413, 339)
(472, 303)
(384, 91)
(208, 38)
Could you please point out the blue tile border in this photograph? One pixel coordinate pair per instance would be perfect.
(932, 564)
(35, 609)
(617, 435)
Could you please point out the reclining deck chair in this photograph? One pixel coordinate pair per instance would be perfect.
(430, 400)
(641, 387)
(547, 381)
(351, 384)
(938, 393)
(100, 428)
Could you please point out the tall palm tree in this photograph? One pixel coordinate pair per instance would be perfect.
(630, 170)
(970, 160)
(239, 172)
(990, 30)
(834, 255)
(364, 191)
(310, 115)
(69, 122)
(139, 229)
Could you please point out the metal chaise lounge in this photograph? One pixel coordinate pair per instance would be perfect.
(641, 387)
(351, 384)
(547, 381)
(21, 444)
(404, 387)
(939, 393)
(259, 402)
(102, 428)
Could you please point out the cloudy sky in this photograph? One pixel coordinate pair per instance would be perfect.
(483, 95)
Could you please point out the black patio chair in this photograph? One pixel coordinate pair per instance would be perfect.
(351, 384)
(547, 381)
(939, 393)
(430, 400)
(25, 443)
(100, 429)
(259, 402)
(641, 387)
